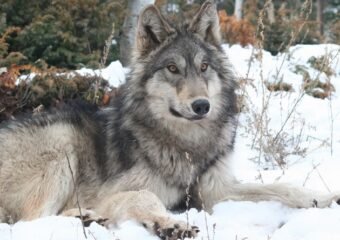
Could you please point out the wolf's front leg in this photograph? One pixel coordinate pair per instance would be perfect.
(146, 208)
(218, 185)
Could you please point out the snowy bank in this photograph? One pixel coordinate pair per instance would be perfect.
(312, 124)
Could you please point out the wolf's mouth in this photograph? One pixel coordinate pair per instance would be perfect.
(177, 114)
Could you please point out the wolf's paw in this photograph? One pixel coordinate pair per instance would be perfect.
(175, 232)
(5, 216)
(86, 216)
(89, 218)
(326, 200)
(168, 229)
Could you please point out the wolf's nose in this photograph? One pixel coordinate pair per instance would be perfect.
(201, 106)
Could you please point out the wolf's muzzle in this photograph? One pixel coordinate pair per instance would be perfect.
(201, 107)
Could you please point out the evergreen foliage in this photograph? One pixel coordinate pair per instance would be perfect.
(72, 33)
(63, 33)
(41, 36)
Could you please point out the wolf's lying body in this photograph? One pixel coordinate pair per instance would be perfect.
(172, 126)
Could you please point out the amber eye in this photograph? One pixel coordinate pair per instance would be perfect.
(172, 68)
(204, 67)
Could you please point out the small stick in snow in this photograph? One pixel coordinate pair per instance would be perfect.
(77, 198)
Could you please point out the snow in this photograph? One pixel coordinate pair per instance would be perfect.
(114, 73)
(54, 227)
(318, 168)
(312, 115)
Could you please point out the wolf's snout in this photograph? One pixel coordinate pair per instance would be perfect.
(201, 107)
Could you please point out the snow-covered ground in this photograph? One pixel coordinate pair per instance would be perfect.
(310, 129)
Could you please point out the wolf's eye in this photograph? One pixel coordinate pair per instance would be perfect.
(204, 67)
(173, 68)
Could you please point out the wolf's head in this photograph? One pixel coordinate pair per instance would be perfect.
(181, 71)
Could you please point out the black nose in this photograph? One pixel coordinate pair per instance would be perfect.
(201, 106)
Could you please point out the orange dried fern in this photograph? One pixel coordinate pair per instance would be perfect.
(9, 77)
(236, 31)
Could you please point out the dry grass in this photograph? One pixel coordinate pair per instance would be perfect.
(275, 145)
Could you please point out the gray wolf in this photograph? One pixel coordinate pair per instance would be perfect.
(169, 132)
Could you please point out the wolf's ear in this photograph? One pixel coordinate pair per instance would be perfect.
(206, 24)
(152, 30)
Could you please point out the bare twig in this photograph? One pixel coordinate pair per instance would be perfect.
(203, 207)
(304, 15)
(108, 44)
(214, 231)
(331, 124)
(106, 51)
(260, 30)
(323, 180)
(187, 190)
(324, 65)
(92, 235)
(309, 174)
(288, 117)
(77, 197)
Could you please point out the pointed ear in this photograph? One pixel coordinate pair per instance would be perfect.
(206, 24)
(152, 30)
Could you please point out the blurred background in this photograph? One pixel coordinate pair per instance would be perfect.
(72, 33)
(43, 38)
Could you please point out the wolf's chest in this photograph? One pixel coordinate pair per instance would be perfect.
(177, 167)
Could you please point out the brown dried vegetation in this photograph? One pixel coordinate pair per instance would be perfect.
(236, 31)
